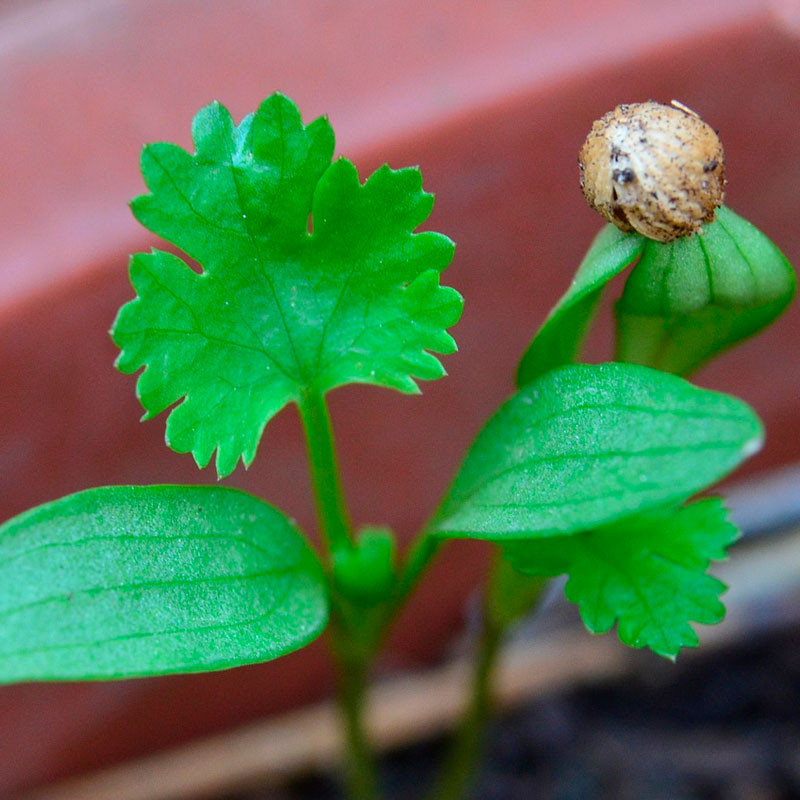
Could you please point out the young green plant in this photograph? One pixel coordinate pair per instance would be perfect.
(307, 279)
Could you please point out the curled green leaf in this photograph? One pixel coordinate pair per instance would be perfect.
(559, 339)
(689, 300)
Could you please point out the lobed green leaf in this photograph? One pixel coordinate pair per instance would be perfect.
(584, 445)
(646, 572)
(148, 580)
(689, 300)
(310, 280)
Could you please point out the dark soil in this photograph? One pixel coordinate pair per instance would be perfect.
(720, 727)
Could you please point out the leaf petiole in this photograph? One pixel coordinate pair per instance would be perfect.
(334, 521)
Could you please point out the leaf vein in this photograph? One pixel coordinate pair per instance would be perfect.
(588, 456)
(145, 538)
(95, 591)
(150, 634)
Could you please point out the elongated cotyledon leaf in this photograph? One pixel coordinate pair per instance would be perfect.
(584, 445)
(559, 339)
(689, 300)
(648, 572)
(148, 580)
(309, 279)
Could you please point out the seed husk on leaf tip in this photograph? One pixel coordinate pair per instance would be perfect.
(653, 168)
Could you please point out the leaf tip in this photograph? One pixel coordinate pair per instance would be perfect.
(754, 444)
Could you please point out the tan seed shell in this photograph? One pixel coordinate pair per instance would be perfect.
(653, 168)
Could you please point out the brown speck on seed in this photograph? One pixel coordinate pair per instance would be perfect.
(653, 168)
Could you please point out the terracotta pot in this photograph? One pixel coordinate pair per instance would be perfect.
(493, 101)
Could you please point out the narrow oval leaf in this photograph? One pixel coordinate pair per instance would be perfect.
(689, 300)
(148, 580)
(585, 444)
(560, 337)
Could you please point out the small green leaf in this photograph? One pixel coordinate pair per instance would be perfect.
(648, 572)
(689, 300)
(584, 445)
(277, 309)
(560, 337)
(366, 574)
(148, 580)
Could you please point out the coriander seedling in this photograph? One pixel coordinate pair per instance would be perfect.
(309, 279)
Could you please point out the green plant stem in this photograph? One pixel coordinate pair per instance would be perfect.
(360, 773)
(350, 653)
(333, 518)
(509, 595)
(466, 748)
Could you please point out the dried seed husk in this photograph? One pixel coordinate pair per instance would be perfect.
(653, 168)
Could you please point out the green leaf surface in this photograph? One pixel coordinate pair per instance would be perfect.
(689, 300)
(647, 572)
(584, 445)
(559, 339)
(310, 279)
(148, 580)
